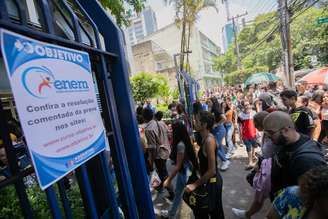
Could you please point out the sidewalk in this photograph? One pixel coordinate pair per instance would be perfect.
(237, 192)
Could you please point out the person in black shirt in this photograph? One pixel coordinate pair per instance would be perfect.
(301, 115)
(295, 153)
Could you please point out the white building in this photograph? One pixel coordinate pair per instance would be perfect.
(203, 52)
(142, 24)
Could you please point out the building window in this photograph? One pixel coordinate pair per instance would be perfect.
(159, 66)
(208, 68)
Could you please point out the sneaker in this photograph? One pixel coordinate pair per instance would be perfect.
(239, 213)
(225, 165)
(228, 156)
(164, 213)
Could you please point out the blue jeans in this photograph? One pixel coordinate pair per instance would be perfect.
(229, 127)
(220, 132)
(221, 153)
(182, 178)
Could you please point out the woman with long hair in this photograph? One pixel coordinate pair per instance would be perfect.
(184, 159)
(216, 107)
(183, 117)
(209, 175)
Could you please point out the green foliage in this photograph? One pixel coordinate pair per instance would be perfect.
(10, 207)
(163, 87)
(308, 39)
(200, 93)
(164, 108)
(74, 197)
(239, 76)
(119, 10)
(174, 93)
(149, 85)
(226, 63)
(9, 203)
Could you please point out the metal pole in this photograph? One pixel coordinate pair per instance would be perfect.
(236, 43)
(286, 43)
(234, 27)
(64, 199)
(82, 173)
(53, 204)
(13, 165)
(140, 196)
(109, 181)
(226, 3)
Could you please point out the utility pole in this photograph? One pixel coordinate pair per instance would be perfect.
(226, 3)
(286, 42)
(234, 20)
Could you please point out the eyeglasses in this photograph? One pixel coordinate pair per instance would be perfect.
(271, 133)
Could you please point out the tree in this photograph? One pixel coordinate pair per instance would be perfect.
(163, 88)
(186, 12)
(239, 76)
(119, 11)
(308, 40)
(147, 85)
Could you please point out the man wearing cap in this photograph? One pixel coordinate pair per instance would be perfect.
(295, 153)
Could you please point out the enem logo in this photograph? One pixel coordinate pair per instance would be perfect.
(40, 82)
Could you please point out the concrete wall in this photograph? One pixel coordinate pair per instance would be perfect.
(145, 59)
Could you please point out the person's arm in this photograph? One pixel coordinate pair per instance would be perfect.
(177, 167)
(210, 147)
(143, 143)
(316, 130)
(235, 117)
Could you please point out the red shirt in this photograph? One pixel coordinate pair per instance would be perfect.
(248, 130)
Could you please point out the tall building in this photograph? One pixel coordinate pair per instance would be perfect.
(142, 25)
(227, 36)
(203, 52)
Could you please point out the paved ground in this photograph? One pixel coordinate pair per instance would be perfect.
(236, 191)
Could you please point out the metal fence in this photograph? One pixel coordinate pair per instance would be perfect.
(85, 26)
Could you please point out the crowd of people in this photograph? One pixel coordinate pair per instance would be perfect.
(285, 135)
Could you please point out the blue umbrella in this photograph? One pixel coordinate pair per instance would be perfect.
(260, 78)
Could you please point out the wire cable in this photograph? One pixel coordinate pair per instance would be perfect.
(276, 27)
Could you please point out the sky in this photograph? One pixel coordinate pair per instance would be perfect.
(210, 21)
